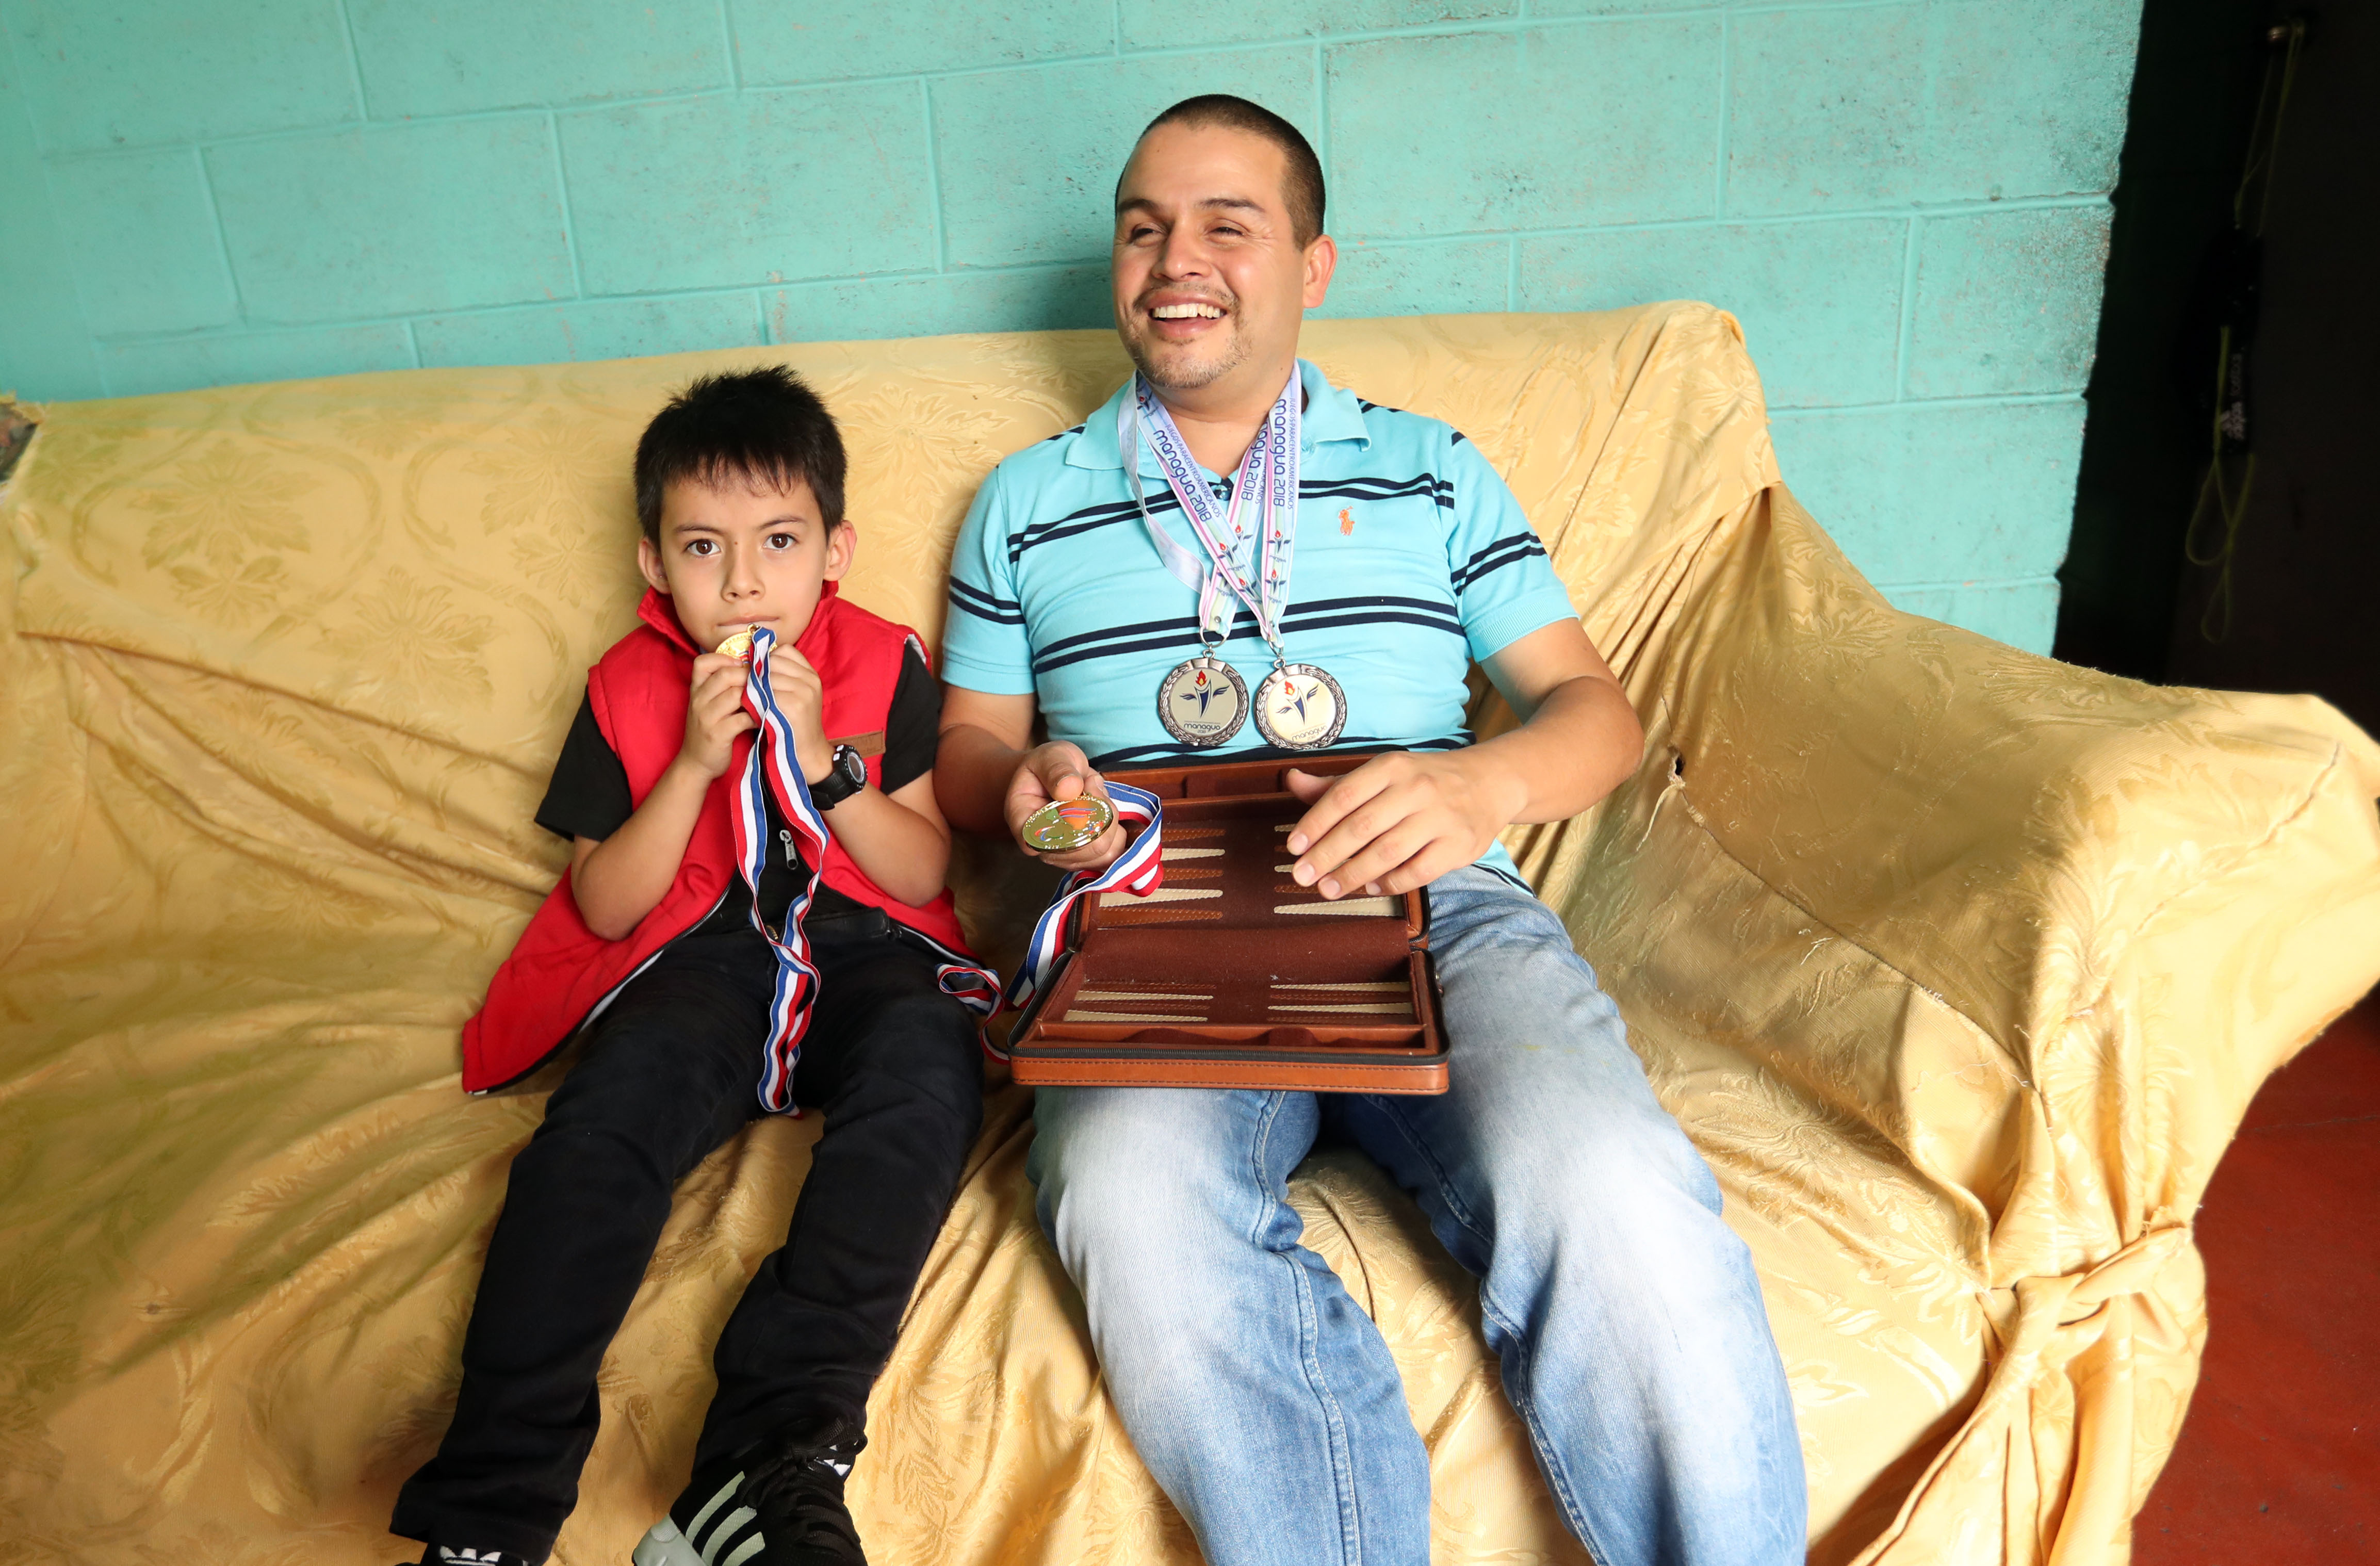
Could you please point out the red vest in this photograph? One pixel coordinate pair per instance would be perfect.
(560, 971)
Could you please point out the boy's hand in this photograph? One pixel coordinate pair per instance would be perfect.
(715, 714)
(801, 697)
(1059, 771)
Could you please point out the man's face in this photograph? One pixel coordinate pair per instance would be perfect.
(1209, 276)
(744, 555)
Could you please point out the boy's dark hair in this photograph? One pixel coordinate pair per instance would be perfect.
(1302, 188)
(761, 426)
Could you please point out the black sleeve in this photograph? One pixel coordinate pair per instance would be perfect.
(588, 796)
(912, 727)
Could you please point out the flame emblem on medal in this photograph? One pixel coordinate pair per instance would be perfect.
(1202, 701)
(1299, 707)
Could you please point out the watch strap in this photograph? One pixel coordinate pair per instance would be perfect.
(846, 776)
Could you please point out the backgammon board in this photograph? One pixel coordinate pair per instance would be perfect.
(1231, 975)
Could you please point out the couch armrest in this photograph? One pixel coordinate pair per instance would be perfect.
(1960, 965)
(2017, 834)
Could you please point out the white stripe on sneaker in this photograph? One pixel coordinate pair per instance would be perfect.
(726, 1493)
(726, 1531)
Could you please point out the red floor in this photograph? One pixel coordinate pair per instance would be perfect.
(2280, 1459)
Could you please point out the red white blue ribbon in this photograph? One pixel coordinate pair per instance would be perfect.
(1139, 869)
(772, 768)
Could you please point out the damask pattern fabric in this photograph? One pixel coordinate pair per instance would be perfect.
(1959, 965)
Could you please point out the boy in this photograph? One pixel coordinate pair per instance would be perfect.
(697, 1018)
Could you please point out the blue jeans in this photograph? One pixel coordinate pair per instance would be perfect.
(1624, 1312)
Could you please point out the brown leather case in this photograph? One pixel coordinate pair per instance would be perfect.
(1231, 975)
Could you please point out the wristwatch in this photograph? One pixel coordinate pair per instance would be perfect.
(846, 776)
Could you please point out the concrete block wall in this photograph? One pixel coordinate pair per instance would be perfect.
(1904, 201)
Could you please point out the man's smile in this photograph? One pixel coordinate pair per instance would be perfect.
(1176, 317)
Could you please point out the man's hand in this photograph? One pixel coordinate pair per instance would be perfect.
(715, 714)
(1059, 771)
(1400, 821)
(801, 697)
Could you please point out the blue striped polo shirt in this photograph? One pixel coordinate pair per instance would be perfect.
(1413, 560)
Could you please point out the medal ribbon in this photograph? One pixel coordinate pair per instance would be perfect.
(1139, 869)
(1269, 469)
(771, 768)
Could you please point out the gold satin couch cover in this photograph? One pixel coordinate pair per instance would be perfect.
(1959, 964)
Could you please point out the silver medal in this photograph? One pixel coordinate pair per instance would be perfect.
(1202, 701)
(1299, 706)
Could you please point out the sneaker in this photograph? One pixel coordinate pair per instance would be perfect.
(778, 1502)
(453, 1555)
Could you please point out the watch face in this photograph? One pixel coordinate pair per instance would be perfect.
(851, 769)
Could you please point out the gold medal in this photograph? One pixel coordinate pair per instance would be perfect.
(737, 646)
(1063, 825)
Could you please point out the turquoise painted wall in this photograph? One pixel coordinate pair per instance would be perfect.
(1904, 201)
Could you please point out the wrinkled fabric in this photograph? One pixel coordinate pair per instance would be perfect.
(1959, 966)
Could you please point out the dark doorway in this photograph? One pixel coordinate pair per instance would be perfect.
(2304, 561)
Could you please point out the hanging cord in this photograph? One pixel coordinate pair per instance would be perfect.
(2229, 433)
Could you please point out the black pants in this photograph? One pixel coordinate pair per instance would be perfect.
(670, 1073)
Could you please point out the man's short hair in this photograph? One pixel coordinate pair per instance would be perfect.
(1301, 188)
(758, 426)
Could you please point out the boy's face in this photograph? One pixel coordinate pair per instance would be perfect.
(744, 555)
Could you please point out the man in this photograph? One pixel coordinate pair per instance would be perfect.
(1099, 577)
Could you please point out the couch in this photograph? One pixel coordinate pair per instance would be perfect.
(1959, 964)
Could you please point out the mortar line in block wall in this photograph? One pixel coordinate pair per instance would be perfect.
(1908, 334)
(243, 330)
(354, 62)
(222, 238)
(633, 101)
(934, 179)
(1963, 583)
(1327, 37)
(561, 196)
(413, 343)
(727, 42)
(1927, 405)
(1971, 207)
(1322, 113)
(1726, 62)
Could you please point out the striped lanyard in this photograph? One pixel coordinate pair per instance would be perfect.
(1139, 870)
(771, 769)
(1270, 469)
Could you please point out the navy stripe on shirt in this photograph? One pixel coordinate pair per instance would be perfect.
(1085, 520)
(1382, 407)
(1321, 615)
(984, 606)
(1509, 550)
(1161, 500)
(1149, 755)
